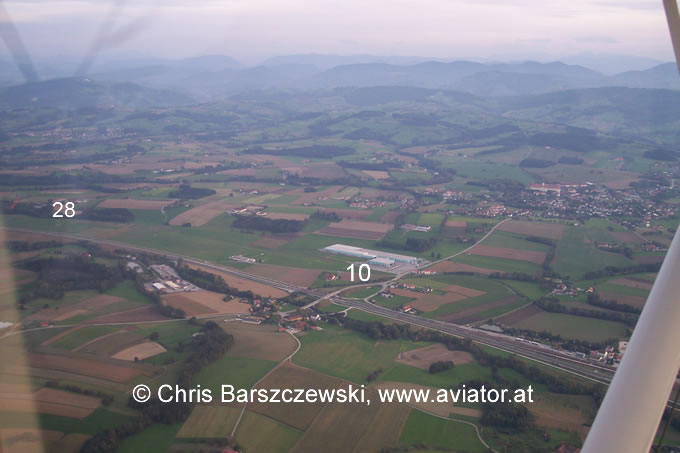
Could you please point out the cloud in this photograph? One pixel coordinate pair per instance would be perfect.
(446, 28)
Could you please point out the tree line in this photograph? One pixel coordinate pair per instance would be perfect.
(121, 215)
(552, 305)
(596, 300)
(622, 270)
(417, 245)
(265, 224)
(186, 192)
(25, 246)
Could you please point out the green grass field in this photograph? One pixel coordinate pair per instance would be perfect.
(431, 431)
(126, 290)
(80, 336)
(346, 354)
(360, 293)
(240, 372)
(260, 434)
(529, 290)
(498, 264)
(97, 421)
(169, 333)
(573, 327)
(513, 241)
(329, 307)
(574, 255)
(460, 373)
(156, 437)
(368, 317)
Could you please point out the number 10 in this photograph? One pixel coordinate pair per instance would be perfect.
(363, 276)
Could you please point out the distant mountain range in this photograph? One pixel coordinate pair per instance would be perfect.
(204, 82)
(177, 82)
(76, 93)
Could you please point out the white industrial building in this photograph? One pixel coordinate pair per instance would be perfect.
(367, 254)
(382, 262)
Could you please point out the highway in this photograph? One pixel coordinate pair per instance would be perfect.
(543, 354)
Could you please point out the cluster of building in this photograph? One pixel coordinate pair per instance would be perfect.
(168, 281)
(366, 204)
(412, 287)
(412, 227)
(609, 355)
(298, 322)
(249, 210)
(636, 206)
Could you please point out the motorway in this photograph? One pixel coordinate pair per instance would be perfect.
(541, 353)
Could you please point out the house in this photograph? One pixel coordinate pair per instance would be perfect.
(294, 318)
(298, 325)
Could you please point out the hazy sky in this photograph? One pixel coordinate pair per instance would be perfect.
(251, 30)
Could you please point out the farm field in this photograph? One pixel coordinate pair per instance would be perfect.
(574, 255)
(481, 299)
(140, 351)
(240, 372)
(498, 264)
(157, 437)
(203, 214)
(421, 428)
(508, 253)
(196, 303)
(423, 357)
(541, 229)
(210, 421)
(263, 435)
(291, 376)
(569, 326)
(50, 401)
(134, 204)
(357, 229)
(86, 367)
(262, 342)
(76, 337)
(347, 355)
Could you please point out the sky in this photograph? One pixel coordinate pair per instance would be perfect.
(252, 30)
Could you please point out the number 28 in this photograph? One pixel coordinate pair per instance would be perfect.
(68, 208)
